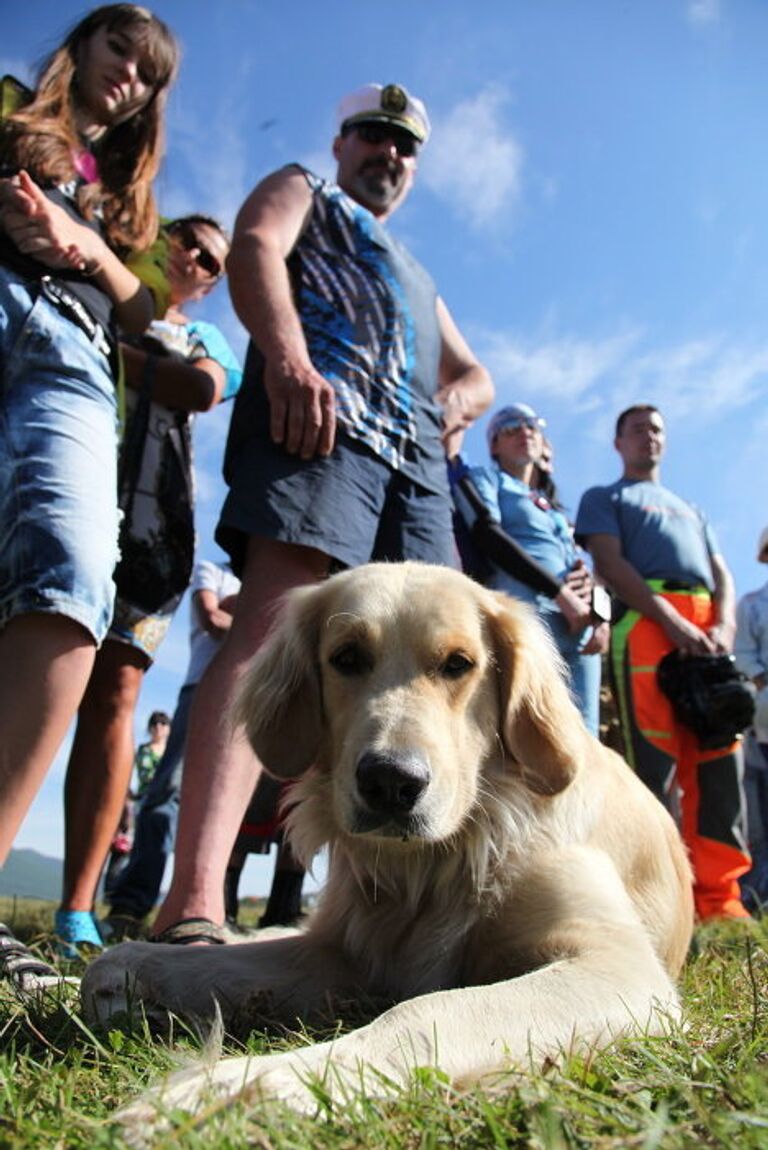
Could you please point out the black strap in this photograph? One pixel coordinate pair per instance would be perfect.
(493, 541)
(132, 449)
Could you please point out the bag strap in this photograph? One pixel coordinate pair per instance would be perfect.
(179, 437)
(132, 450)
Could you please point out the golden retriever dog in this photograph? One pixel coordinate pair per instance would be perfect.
(494, 872)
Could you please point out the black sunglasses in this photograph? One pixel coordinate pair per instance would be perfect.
(185, 233)
(373, 133)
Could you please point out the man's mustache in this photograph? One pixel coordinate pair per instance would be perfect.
(381, 163)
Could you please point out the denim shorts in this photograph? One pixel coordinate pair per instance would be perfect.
(58, 459)
(350, 505)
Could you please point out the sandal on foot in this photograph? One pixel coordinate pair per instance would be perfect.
(120, 925)
(77, 935)
(21, 967)
(191, 930)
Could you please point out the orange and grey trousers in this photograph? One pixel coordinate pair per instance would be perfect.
(701, 789)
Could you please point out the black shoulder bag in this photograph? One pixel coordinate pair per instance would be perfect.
(155, 564)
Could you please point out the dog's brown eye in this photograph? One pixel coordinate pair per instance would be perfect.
(456, 665)
(350, 660)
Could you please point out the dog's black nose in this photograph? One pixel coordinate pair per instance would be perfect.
(392, 784)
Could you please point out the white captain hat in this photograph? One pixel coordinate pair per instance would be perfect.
(388, 104)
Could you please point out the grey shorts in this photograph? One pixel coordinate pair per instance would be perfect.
(350, 505)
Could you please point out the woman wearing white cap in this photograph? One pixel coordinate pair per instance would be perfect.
(531, 553)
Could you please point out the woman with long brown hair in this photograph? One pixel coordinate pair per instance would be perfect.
(77, 161)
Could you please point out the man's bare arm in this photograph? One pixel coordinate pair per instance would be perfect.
(215, 616)
(302, 402)
(724, 631)
(631, 588)
(465, 388)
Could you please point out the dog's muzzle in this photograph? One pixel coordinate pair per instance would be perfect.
(390, 786)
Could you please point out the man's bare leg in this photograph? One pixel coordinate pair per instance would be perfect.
(220, 769)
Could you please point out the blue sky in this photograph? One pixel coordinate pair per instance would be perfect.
(592, 206)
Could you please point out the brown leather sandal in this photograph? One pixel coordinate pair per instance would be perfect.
(191, 930)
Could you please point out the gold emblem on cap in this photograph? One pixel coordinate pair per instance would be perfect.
(393, 99)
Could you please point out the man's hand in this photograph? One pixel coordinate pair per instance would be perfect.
(457, 416)
(464, 388)
(686, 636)
(302, 410)
(723, 635)
(215, 616)
(43, 230)
(302, 403)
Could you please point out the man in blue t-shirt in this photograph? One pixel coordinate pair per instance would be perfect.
(660, 557)
(357, 384)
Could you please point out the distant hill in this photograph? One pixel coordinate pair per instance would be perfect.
(29, 874)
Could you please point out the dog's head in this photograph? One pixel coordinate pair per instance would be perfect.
(404, 684)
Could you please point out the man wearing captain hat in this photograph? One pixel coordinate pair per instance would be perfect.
(357, 383)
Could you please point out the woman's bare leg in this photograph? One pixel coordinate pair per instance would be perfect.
(45, 663)
(99, 769)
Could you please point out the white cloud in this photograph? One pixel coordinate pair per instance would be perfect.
(704, 377)
(217, 178)
(703, 11)
(473, 161)
(697, 380)
(565, 368)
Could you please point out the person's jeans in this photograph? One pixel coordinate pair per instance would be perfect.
(754, 884)
(584, 670)
(138, 886)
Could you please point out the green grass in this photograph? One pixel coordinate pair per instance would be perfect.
(704, 1087)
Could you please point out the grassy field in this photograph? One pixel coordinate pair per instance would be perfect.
(706, 1086)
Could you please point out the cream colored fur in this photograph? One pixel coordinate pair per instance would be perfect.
(534, 899)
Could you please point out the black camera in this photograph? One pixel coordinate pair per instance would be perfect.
(709, 695)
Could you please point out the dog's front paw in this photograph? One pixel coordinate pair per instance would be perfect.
(297, 1079)
(280, 1078)
(114, 986)
(194, 1090)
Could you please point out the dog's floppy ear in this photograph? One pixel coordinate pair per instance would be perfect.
(279, 703)
(541, 727)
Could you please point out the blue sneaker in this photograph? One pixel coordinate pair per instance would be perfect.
(77, 934)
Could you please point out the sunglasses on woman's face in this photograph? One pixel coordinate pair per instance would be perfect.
(517, 424)
(191, 243)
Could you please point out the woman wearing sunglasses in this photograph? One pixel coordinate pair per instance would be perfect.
(181, 366)
(519, 527)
